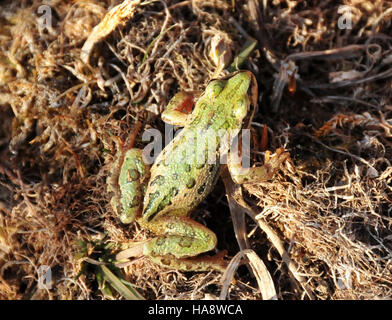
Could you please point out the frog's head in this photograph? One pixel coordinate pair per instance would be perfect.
(227, 101)
(236, 93)
(235, 86)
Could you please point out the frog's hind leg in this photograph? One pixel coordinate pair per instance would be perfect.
(180, 240)
(202, 263)
(131, 178)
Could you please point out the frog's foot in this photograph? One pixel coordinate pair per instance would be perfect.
(202, 263)
(135, 249)
(266, 172)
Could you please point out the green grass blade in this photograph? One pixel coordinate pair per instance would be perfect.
(126, 292)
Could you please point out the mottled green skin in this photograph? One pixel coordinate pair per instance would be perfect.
(127, 184)
(132, 172)
(179, 182)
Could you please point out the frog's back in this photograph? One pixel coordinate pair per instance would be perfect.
(180, 180)
(186, 170)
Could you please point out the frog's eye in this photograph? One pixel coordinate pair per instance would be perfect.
(214, 88)
(241, 108)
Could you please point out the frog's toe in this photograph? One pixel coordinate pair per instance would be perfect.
(274, 161)
(135, 250)
(257, 174)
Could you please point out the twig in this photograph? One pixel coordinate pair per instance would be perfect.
(271, 234)
(350, 51)
(340, 151)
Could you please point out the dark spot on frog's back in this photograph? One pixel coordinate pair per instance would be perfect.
(151, 199)
(162, 161)
(186, 242)
(200, 165)
(134, 202)
(203, 105)
(201, 188)
(152, 214)
(191, 183)
(159, 180)
(160, 242)
(162, 203)
(211, 119)
(173, 191)
(133, 175)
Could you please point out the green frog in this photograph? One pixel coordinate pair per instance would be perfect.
(160, 198)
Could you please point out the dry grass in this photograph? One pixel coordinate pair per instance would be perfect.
(62, 121)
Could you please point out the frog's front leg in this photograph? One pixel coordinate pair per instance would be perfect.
(178, 109)
(180, 239)
(242, 175)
